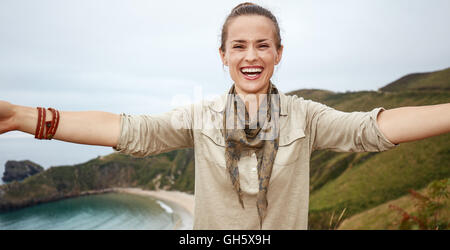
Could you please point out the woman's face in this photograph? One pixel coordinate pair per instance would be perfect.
(251, 53)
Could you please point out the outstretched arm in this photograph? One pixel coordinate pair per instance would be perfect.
(87, 127)
(407, 124)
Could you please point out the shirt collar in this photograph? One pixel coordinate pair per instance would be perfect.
(218, 105)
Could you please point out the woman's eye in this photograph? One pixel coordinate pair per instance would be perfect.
(263, 46)
(237, 47)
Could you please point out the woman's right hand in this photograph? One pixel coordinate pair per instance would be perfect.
(7, 114)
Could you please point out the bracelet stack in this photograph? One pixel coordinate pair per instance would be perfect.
(46, 129)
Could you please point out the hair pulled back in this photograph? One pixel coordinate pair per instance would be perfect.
(248, 8)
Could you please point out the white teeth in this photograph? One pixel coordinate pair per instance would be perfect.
(251, 70)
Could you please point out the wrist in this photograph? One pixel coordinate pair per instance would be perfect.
(15, 117)
(24, 118)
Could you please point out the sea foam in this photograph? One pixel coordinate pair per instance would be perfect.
(165, 206)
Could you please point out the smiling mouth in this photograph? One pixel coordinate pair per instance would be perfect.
(252, 72)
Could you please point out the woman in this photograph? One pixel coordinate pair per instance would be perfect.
(253, 144)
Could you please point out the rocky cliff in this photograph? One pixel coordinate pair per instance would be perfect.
(19, 170)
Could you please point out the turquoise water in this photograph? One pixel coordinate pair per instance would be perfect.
(103, 211)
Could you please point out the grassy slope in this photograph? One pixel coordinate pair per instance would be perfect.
(383, 217)
(420, 81)
(383, 177)
(360, 181)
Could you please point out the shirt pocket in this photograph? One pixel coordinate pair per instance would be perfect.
(212, 147)
(288, 155)
(289, 148)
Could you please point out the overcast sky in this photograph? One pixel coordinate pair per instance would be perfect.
(135, 56)
(139, 56)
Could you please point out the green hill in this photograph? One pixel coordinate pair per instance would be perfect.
(359, 181)
(385, 216)
(437, 80)
(356, 182)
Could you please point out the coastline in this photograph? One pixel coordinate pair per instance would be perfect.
(181, 203)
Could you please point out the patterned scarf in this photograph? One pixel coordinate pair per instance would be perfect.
(260, 135)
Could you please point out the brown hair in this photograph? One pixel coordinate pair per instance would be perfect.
(250, 9)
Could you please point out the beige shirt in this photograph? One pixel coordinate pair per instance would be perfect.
(305, 126)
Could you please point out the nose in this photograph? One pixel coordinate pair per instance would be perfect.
(251, 55)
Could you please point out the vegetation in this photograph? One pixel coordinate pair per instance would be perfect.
(360, 181)
(427, 206)
(424, 209)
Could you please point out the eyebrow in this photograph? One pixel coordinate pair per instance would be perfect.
(244, 41)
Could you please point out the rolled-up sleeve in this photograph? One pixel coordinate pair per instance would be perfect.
(346, 131)
(143, 135)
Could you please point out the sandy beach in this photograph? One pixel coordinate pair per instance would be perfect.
(181, 203)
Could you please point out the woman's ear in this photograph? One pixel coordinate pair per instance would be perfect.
(279, 55)
(223, 57)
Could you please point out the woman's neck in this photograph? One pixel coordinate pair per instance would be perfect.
(252, 100)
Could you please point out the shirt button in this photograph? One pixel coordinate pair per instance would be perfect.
(254, 169)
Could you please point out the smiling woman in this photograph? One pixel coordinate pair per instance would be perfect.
(253, 143)
(251, 47)
(251, 52)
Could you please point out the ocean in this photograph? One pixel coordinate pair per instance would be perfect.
(101, 211)
(111, 211)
